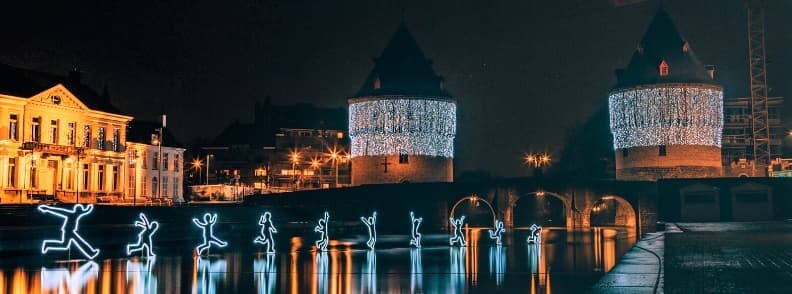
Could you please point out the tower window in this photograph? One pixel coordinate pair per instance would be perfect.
(625, 153)
(403, 157)
(377, 83)
(663, 68)
(662, 150)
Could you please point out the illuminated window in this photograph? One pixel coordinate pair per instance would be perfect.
(35, 131)
(115, 178)
(144, 160)
(12, 172)
(85, 177)
(33, 175)
(340, 135)
(12, 127)
(663, 68)
(403, 157)
(53, 131)
(116, 140)
(143, 186)
(164, 188)
(101, 139)
(260, 172)
(70, 134)
(154, 186)
(154, 159)
(87, 136)
(662, 151)
(101, 177)
(308, 172)
(165, 159)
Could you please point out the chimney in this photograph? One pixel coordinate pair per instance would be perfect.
(710, 71)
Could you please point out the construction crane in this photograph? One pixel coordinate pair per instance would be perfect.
(760, 126)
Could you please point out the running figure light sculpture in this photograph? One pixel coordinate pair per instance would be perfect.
(416, 237)
(144, 238)
(497, 234)
(371, 224)
(324, 239)
(458, 237)
(536, 235)
(267, 229)
(207, 226)
(69, 235)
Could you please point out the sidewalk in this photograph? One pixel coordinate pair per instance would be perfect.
(640, 270)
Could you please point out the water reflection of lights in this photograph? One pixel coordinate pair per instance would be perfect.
(604, 249)
(497, 263)
(416, 271)
(368, 284)
(210, 272)
(139, 277)
(457, 270)
(61, 280)
(321, 271)
(265, 273)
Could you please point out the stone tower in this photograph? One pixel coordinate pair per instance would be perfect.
(402, 121)
(666, 111)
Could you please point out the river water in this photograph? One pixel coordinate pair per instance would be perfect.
(564, 262)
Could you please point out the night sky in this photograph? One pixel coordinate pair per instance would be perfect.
(523, 71)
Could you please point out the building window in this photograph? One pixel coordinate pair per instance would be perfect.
(377, 83)
(116, 140)
(165, 159)
(54, 131)
(403, 157)
(663, 68)
(87, 136)
(70, 134)
(154, 186)
(175, 187)
(144, 160)
(625, 153)
(115, 178)
(176, 163)
(33, 174)
(101, 139)
(12, 172)
(154, 159)
(12, 127)
(101, 177)
(85, 180)
(164, 187)
(662, 151)
(143, 186)
(35, 132)
(69, 176)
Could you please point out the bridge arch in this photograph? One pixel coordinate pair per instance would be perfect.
(624, 215)
(565, 200)
(475, 199)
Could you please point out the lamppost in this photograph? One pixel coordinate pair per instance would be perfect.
(208, 156)
(537, 161)
(335, 155)
(196, 165)
(295, 157)
(315, 164)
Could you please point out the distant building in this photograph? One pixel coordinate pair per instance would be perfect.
(737, 135)
(666, 111)
(146, 180)
(402, 121)
(58, 139)
(260, 154)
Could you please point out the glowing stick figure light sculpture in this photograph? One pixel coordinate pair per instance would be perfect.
(497, 234)
(536, 235)
(371, 224)
(144, 238)
(458, 237)
(416, 237)
(267, 229)
(321, 227)
(207, 226)
(69, 234)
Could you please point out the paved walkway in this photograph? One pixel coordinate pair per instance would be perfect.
(640, 270)
(729, 258)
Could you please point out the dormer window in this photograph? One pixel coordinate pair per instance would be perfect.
(686, 47)
(663, 68)
(377, 83)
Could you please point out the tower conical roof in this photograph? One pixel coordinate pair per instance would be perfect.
(402, 69)
(663, 42)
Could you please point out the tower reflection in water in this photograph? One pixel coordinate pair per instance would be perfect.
(265, 273)
(207, 274)
(416, 271)
(62, 280)
(139, 277)
(497, 263)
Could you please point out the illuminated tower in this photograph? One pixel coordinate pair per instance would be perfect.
(666, 111)
(402, 122)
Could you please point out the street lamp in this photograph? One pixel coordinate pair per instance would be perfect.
(316, 165)
(335, 155)
(196, 165)
(537, 160)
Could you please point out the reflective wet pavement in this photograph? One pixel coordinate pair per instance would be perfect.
(564, 263)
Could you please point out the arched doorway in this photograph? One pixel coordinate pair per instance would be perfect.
(542, 208)
(478, 212)
(612, 211)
